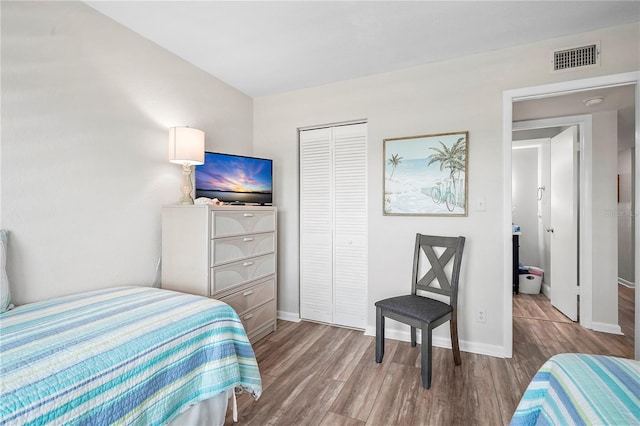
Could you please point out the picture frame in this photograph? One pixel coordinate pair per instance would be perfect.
(426, 175)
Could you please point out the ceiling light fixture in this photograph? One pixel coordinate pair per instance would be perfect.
(593, 101)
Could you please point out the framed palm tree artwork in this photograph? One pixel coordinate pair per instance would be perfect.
(426, 175)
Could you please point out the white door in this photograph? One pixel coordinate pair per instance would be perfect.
(333, 225)
(350, 230)
(316, 225)
(563, 227)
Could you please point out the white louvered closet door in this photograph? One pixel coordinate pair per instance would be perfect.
(333, 226)
(316, 243)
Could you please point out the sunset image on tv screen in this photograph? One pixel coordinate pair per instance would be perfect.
(230, 173)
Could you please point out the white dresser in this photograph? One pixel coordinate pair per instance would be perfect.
(225, 252)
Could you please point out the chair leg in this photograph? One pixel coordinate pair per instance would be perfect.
(379, 335)
(455, 347)
(414, 341)
(425, 354)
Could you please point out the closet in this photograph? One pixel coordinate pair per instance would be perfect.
(333, 224)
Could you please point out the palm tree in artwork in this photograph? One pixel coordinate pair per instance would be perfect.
(394, 162)
(452, 158)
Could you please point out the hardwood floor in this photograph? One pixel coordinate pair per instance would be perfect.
(536, 310)
(316, 374)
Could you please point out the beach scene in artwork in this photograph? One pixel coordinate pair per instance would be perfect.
(425, 175)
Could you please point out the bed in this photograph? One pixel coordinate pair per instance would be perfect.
(576, 389)
(125, 355)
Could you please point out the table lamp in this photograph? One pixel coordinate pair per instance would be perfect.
(186, 147)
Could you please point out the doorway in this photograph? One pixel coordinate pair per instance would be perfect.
(587, 241)
(546, 195)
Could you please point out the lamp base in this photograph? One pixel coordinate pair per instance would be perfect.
(186, 200)
(186, 185)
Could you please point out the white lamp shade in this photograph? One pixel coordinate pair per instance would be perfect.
(186, 145)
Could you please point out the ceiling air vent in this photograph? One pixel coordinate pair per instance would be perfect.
(576, 57)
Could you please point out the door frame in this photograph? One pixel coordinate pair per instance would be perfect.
(543, 91)
(584, 124)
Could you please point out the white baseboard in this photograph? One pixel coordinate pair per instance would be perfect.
(546, 290)
(626, 283)
(606, 328)
(288, 316)
(441, 342)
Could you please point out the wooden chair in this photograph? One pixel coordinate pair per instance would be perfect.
(421, 311)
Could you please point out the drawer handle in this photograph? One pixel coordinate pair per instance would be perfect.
(247, 239)
(247, 264)
(248, 317)
(248, 293)
(248, 215)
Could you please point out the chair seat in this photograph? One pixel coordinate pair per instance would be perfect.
(417, 307)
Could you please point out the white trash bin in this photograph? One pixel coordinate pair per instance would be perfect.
(530, 284)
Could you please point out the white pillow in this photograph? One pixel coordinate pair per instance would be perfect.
(5, 294)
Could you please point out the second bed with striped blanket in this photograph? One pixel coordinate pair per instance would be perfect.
(579, 389)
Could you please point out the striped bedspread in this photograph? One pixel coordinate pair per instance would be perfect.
(126, 355)
(579, 389)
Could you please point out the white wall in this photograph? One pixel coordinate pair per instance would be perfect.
(626, 269)
(525, 202)
(456, 95)
(605, 219)
(86, 104)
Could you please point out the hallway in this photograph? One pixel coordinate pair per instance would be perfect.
(541, 331)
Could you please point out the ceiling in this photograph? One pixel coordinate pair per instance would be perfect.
(617, 98)
(269, 47)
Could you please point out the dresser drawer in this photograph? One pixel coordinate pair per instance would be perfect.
(242, 222)
(249, 298)
(259, 317)
(236, 273)
(224, 250)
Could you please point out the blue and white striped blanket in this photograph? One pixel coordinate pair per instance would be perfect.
(127, 355)
(580, 389)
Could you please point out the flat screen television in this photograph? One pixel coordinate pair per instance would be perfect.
(235, 178)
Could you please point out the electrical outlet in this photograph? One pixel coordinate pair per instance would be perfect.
(482, 315)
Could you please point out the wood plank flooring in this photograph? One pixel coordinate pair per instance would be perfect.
(316, 374)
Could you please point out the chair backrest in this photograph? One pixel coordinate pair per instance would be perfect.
(438, 251)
